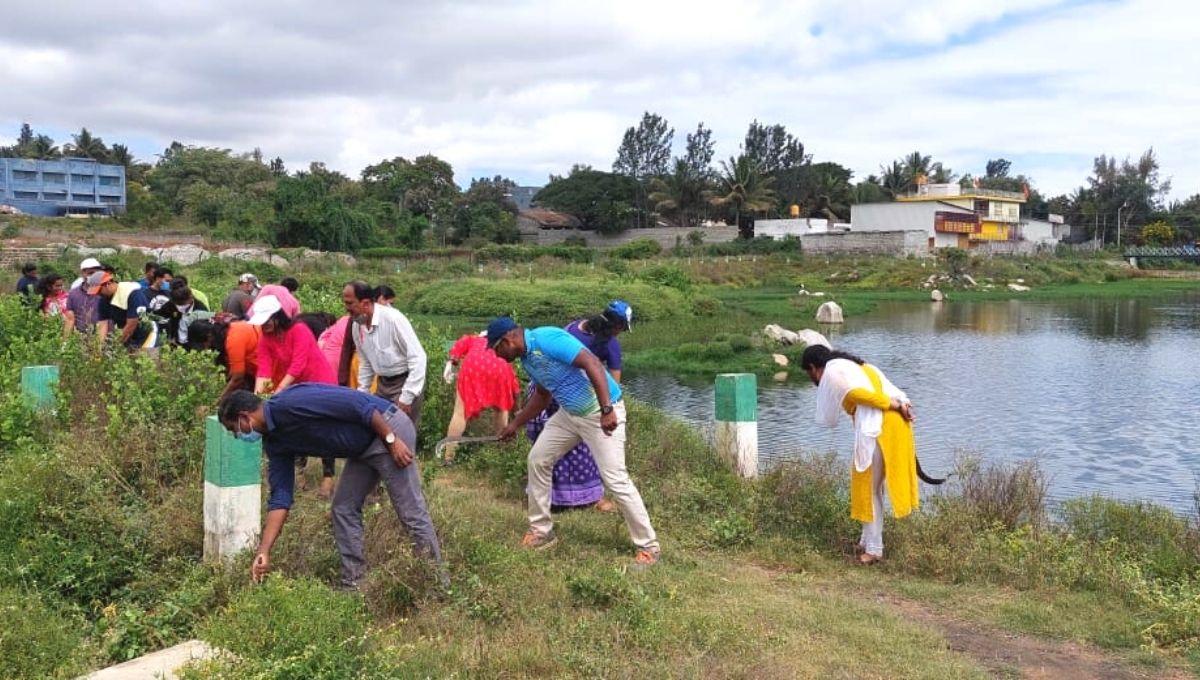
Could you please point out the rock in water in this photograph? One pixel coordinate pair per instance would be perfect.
(830, 312)
(779, 359)
(780, 376)
(810, 337)
(936, 295)
(781, 335)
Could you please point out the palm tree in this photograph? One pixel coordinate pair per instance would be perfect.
(744, 186)
(43, 147)
(680, 193)
(916, 165)
(893, 178)
(87, 146)
(119, 155)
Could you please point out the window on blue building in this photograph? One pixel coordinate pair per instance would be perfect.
(24, 175)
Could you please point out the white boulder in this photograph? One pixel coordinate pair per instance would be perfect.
(936, 295)
(781, 376)
(779, 359)
(1017, 287)
(830, 312)
(253, 255)
(781, 335)
(185, 254)
(810, 337)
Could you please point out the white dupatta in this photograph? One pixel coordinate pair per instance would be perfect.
(841, 376)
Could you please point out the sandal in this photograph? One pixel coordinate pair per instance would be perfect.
(868, 560)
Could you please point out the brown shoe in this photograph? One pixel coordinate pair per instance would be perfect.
(605, 505)
(534, 540)
(646, 558)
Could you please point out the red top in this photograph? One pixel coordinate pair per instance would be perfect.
(484, 379)
(295, 354)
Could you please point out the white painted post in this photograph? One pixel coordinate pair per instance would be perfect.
(737, 422)
(232, 493)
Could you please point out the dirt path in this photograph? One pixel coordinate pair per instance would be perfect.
(1008, 654)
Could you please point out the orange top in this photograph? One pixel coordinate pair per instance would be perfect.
(241, 348)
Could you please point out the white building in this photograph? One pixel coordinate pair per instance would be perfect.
(797, 226)
(945, 224)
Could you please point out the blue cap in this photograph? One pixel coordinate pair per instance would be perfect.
(498, 328)
(622, 309)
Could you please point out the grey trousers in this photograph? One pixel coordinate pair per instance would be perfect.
(359, 477)
(390, 388)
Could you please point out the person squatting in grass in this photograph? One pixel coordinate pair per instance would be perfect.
(376, 438)
(591, 410)
(883, 438)
(484, 381)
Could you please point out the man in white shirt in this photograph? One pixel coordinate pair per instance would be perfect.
(388, 349)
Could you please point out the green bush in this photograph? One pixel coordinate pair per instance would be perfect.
(383, 252)
(638, 249)
(291, 629)
(544, 301)
(809, 499)
(36, 642)
(669, 276)
(1167, 545)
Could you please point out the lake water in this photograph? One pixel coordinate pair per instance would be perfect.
(1103, 393)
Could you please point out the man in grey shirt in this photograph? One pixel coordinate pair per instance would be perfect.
(388, 349)
(240, 298)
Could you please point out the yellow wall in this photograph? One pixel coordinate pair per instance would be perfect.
(992, 231)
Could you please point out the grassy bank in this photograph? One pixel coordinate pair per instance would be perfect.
(101, 521)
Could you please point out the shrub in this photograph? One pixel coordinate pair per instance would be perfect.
(36, 642)
(545, 301)
(669, 276)
(1163, 542)
(384, 252)
(292, 629)
(809, 499)
(638, 249)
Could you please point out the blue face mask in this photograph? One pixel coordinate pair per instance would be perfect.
(251, 436)
(166, 285)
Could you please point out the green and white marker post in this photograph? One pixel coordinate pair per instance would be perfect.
(232, 492)
(37, 387)
(737, 422)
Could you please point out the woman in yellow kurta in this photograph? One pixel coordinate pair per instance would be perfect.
(883, 438)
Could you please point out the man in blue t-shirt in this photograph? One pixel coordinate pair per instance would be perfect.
(375, 437)
(590, 411)
(123, 307)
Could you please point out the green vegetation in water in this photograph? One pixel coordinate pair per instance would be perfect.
(722, 353)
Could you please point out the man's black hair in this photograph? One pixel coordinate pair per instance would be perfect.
(237, 403)
(148, 267)
(28, 268)
(384, 291)
(362, 290)
(290, 283)
(180, 295)
(816, 356)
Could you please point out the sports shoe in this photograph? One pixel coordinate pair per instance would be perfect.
(535, 540)
(647, 558)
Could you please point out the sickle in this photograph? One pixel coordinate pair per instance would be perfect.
(437, 449)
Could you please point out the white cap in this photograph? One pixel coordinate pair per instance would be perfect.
(248, 278)
(90, 263)
(263, 308)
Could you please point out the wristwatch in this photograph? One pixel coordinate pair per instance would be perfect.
(605, 410)
(390, 438)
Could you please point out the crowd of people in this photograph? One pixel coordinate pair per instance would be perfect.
(312, 384)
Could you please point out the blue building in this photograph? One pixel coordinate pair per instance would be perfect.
(70, 186)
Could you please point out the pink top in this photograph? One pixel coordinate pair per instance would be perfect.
(287, 301)
(295, 354)
(331, 341)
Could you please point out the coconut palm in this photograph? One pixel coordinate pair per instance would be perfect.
(894, 179)
(743, 186)
(86, 145)
(43, 147)
(681, 193)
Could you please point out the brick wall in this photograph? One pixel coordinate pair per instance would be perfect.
(867, 243)
(13, 258)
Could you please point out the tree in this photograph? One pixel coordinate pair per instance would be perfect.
(422, 186)
(1158, 234)
(43, 147)
(311, 209)
(699, 153)
(603, 201)
(86, 145)
(681, 193)
(1127, 191)
(998, 167)
(743, 186)
(645, 150)
(772, 148)
(277, 167)
(485, 213)
(180, 166)
(893, 179)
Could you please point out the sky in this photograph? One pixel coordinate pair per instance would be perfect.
(527, 88)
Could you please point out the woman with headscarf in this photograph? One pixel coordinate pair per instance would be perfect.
(576, 479)
(884, 450)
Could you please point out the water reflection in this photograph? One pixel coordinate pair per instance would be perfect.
(1100, 392)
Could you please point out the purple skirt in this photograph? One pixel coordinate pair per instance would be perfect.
(576, 480)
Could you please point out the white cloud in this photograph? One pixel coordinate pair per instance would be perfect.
(531, 87)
